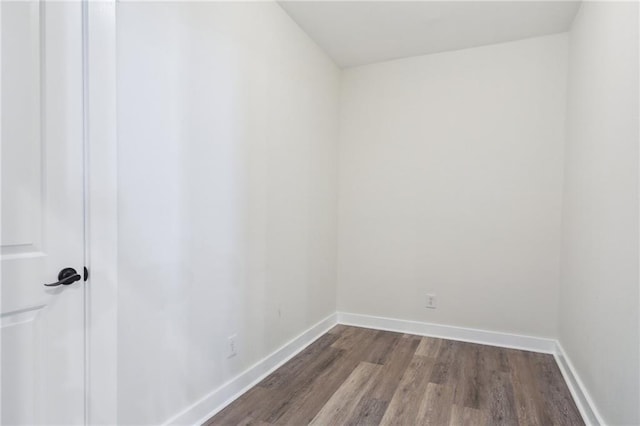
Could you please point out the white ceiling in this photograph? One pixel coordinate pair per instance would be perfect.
(362, 32)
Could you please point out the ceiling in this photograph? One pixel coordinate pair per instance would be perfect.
(362, 32)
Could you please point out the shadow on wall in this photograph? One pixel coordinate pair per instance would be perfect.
(227, 133)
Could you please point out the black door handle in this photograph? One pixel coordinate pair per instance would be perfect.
(65, 277)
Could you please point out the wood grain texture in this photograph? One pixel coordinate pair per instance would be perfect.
(357, 376)
(405, 404)
(344, 401)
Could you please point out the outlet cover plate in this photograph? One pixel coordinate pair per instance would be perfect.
(432, 301)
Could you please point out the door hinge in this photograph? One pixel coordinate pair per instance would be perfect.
(86, 273)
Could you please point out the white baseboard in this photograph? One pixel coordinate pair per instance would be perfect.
(581, 396)
(202, 410)
(219, 398)
(471, 335)
(579, 392)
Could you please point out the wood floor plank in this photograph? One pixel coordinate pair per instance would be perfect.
(501, 399)
(487, 376)
(304, 362)
(250, 421)
(444, 368)
(352, 337)
(557, 399)
(369, 411)
(435, 408)
(405, 404)
(379, 352)
(529, 404)
(309, 401)
(429, 347)
(468, 386)
(274, 399)
(344, 401)
(465, 416)
(358, 376)
(241, 408)
(402, 352)
(287, 400)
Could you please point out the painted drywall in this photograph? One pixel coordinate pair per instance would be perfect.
(450, 182)
(599, 285)
(227, 128)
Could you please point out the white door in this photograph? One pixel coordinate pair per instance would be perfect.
(42, 335)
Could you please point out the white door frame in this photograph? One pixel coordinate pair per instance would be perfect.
(101, 210)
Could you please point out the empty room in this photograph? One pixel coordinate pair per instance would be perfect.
(320, 212)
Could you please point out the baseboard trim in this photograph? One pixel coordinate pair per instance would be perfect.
(580, 395)
(201, 411)
(578, 390)
(471, 335)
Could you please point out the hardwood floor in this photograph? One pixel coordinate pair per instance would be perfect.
(360, 376)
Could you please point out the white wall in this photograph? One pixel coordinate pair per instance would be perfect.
(450, 183)
(227, 117)
(599, 287)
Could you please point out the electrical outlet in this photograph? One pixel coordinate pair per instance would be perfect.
(233, 350)
(431, 301)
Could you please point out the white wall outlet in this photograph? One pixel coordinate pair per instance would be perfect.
(233, 350)
(432, 302)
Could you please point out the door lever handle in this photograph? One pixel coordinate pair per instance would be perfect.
(65, 277)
